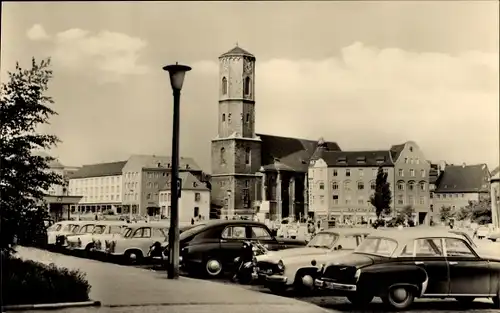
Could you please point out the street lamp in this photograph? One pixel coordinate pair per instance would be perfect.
(177, 73)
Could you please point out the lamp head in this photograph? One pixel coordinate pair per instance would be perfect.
(177, 73)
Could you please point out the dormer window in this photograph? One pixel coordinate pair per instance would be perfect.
(224, 85)
(361, 160)
(342, 160)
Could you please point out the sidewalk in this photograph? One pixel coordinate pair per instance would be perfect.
(121, 286)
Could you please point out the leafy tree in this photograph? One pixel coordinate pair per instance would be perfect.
(24, 175)
(480, 211)
(464, 213)
(382, 197)
(446, 213)
(407, 211)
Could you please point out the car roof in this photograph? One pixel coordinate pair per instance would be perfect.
(111, 223)
(412, 233)
(347, 231)
(144, 224)
(232, 222)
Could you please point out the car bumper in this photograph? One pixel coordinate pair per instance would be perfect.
(277, 279)
(322, 284)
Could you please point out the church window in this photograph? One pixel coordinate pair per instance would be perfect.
(246, 87)
(248, 118)
(224, 86)
(247, 155)
(222, 155)
(223, 117)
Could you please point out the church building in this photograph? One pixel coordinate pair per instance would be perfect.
(249, 169)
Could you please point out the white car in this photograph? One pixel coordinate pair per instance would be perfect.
(296, 267)
(85, 240)
(483, 232)
(59, 230)
(494, 235)
(73, 241)
(136, 240)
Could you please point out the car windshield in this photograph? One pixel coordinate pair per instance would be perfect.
(126, 232)
(377, 246)
(74, 228)
(99, 229)
(115, 229)
(323, 240)
(191, 231)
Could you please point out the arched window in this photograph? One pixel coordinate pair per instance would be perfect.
(373, 185)
(223, 117)
(411, 186)
(335, 185)
(222, 155)
(347, 186)
(246, 87)
(422, 186)
(224, 85)
(401, 186)
(361, 185)
(247, 155)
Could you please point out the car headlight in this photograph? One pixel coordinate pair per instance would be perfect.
(281, 265)
(357, 274)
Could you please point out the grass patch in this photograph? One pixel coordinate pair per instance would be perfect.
(29, 282)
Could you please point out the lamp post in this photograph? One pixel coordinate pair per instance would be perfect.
(177, 73)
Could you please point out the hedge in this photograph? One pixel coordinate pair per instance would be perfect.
(29, 282)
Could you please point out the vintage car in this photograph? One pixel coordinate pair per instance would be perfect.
(281, 270)
(211, 248)
(494, 235)
(135, 241)
(399, 266)
(57, 233)
(84, 242)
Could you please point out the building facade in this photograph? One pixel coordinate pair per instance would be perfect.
(193, 203)
(250, 168)
(495, 198)
(341, 182)
(126, 187)
(459, 184)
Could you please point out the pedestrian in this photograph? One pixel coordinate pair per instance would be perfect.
(192, 221)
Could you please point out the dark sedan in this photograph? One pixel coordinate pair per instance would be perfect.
(401, 265)
(211, 248)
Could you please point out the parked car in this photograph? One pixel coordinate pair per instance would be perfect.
(483, 232)
(296, 268)
(85, 242)
(59, 230)
(73, 241)
(211, 248)
(494, 235)
(135, 241)
(399, 266)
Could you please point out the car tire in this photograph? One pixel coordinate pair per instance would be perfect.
(87, 253)
(213, 267)
(360, 299)
(465, 300)
(133, 257)
(299, 287)
(399, 297)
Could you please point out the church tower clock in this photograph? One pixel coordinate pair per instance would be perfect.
(236, 151)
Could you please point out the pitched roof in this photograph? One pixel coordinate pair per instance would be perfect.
(189, 182)
(287, 153)
(99, 170)
(357, 158)
(396, 151)
(464, 178)
(237, 51)
(152, 161)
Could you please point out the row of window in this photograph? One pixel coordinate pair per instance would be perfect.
(412, 161)
(101, 197)
(361, 186)
(91, 190)
(246, 86)
(411, 186)
(449, 195)
(361, 200)
(248, 154)
(361, 172)
(410, 200)
(94, 181)
(167, 197)
(401, 172)
(247, 117)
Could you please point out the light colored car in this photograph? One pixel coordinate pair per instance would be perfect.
(483, 232)
(494, 235)
(136, 240)
(74, 242)
(296, 267)
(63, 228)
(85, 241)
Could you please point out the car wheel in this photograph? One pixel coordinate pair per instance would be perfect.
(399, 297)
(360, 299)
(133, 257)
(303, 284)
(213, 267)
(465, 300)
(88, 250)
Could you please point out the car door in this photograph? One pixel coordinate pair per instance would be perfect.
(469, 274)
(429, 255)
(231, 242)
(262, 235)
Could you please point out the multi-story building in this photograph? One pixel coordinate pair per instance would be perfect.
(249, 169)
(495, 197)
(194, 201)
(341, 183)
(126, 186)
(459, 184)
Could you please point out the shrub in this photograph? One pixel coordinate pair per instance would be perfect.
(29, 282)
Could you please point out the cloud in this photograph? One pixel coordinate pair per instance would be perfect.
(37, 33)
(370, 98)
(112, 55)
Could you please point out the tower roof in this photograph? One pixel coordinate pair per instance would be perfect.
(237, 51)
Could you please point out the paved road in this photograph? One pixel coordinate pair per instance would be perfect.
(120, 287)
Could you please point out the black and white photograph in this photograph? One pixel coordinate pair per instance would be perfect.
(250, 156)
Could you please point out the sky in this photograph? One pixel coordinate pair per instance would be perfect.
(366, 75)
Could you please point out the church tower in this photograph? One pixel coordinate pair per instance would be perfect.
(236, 151)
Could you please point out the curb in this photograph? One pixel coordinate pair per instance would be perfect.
(50, 306)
